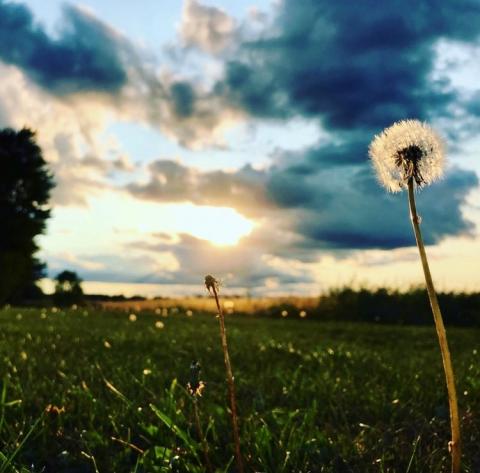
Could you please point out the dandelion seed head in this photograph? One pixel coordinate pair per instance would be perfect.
(159, 324)
(132, 317)
(211, 283)
(408, 149)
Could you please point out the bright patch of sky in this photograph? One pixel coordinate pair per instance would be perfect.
(251, 143)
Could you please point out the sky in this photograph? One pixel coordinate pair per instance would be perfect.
(231, 137)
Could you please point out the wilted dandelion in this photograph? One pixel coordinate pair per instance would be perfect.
(132, 318)
(405, 155)
(212, 286)
(159, 324)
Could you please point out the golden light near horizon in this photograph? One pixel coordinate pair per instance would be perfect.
(221, 226)
(115, 220)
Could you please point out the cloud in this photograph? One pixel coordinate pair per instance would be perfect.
(89, 61)
(83, 57)
(247, 265)
(170, 181)
(207, 28)
(313, 63)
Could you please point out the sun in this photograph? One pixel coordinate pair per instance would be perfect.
(221, 226)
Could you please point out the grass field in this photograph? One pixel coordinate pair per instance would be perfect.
(87, 391)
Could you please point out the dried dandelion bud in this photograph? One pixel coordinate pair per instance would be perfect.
(195, 386)
(211, 283)
(408, 149)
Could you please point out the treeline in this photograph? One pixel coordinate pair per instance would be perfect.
(388, 306)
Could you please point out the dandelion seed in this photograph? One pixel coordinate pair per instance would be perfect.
(132, 318)
(407, 149)
(159, 324)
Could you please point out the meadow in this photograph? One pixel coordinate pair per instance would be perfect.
(96, 390)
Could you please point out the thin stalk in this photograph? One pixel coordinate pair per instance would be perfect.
(454, 444)
(203, 441)
(230, 383)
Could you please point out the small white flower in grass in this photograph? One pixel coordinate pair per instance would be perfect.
(407, 149)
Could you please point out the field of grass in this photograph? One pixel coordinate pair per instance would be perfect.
(88, 390)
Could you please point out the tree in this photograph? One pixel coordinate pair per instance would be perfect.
(25, 185)
(68, 289)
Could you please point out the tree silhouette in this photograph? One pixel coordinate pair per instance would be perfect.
(25, 185)
(68, 289)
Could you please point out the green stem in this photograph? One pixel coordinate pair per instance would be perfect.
(454, 445)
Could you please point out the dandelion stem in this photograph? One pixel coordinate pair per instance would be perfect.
(203, 440)
(230, 383)
(454, 445)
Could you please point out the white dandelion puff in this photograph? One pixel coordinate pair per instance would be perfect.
(408, 149)
(406, 154)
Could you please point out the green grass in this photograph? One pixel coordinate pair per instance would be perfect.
(312, 396)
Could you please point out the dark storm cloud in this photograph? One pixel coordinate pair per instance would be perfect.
(357, 213)
(84, 56)
(350, 64)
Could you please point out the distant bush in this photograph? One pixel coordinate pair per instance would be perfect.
(395, 307)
